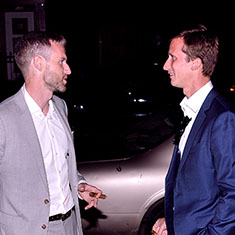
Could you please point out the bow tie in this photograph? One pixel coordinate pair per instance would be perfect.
(181, 129)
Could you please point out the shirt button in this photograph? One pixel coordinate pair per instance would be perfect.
(44, 226)
(46, 201)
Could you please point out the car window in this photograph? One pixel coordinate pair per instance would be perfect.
(103, 136)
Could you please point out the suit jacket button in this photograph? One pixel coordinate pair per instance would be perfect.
(46, 201)
(43, 226)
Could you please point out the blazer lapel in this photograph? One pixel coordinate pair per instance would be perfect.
(65, 124)
(63, 120)
(197, 125)
(31, 136)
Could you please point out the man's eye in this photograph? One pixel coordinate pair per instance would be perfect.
(62, 61)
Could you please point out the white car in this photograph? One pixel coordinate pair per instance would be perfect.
(135, 191)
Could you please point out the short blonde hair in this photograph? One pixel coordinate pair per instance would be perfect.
(32, 44)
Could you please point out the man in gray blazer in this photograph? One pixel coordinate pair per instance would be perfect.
(39, 181)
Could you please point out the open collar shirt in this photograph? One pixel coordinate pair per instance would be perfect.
(190, 107)
(54, 146)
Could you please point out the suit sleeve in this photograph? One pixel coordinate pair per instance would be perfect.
(223, 151)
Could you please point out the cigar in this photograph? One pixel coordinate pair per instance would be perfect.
(102, 196)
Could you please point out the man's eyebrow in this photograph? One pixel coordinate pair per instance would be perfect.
(63, 58)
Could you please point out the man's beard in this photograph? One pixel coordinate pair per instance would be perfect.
(54, 85)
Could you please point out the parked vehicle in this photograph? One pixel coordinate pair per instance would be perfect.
(134, 187)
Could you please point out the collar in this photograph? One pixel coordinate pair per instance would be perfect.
(34, 107)
(191, 106)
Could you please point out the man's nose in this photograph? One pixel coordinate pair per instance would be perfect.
(166, 65)
(67, 69)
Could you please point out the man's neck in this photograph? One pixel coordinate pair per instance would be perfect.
(40, 95)
(189, 91)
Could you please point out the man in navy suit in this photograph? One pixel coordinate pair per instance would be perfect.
(200, 193)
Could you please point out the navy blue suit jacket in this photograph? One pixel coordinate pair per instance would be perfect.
(201, 199)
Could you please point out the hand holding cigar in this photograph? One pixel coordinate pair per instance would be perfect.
(92, 194)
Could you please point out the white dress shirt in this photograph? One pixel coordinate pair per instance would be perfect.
(54, 146)
(191, 107)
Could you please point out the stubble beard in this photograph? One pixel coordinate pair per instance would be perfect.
(54, 83)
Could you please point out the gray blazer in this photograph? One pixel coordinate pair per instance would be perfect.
(24, 193)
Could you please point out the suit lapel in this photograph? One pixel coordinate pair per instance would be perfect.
(63, 120)
(31, 136)
(197, 125)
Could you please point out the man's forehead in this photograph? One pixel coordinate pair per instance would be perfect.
(176, 45)
(57, 47)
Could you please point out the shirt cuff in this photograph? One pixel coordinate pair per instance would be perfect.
(80, 182)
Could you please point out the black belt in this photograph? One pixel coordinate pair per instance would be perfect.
(62, 217)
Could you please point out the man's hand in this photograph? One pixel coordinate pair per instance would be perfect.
(84, 190)
(159, 228)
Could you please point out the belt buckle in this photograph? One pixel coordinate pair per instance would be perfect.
(62, 217)
(67, 215)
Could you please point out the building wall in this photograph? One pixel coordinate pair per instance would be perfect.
(18, 8)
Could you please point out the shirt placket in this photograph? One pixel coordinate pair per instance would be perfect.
(55, 155)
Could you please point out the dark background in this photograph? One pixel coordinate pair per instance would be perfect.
(113, 45)
(116, 52)
(113, 50)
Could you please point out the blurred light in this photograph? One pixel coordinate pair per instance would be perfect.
(142, 100)
(141, 114)
(79, 107)
(232, 89)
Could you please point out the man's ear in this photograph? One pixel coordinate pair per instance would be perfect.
(39, 63)
(196, 64)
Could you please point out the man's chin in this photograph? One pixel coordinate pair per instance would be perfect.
(173, 82)
(60, 89)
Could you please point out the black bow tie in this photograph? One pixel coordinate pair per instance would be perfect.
(181, 129)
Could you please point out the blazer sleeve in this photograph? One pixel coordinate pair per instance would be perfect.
(223, 150)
